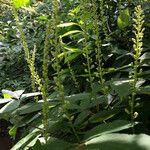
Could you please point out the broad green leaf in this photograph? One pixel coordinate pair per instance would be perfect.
(9, 107)
(107, 128)
(25, 140)
(85, 101)
(25, 120)
(121, 86)
(78, 97)
(20, 3)
(81, 117)
(52, 144)
(123, 19)
(29, 108)
(11, 94)
(28, 95)
(2, 101)
(118, 142)
(103, 115)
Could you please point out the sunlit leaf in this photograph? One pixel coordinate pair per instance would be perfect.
(123, 19)
(13, 131)
(67, 24)
(119, 142)
(71, 32)
(20, 3)
(107, 128)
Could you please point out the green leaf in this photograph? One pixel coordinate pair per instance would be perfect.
(78, 97)
(121, 86)
(43, 18)
(7, 95)
(119, 142)
(28, 95)
(25, 120)
(29, 108)
(123, 19)
(5, 100)
(144, 90)
(9, 107)
(81, 117)
(25, 140)
(52, 144)
(11, 94)
(71, 57)
(32, 143)
(20, 3)
(145, 56)
(107, 128)
(103, 116)
(71, 32)
(71, 49)
(67, 24)
(13, 131)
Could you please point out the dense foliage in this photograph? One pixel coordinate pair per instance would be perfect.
(76, 73)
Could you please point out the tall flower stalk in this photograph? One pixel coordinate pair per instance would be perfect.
(73, 76)
(99, 55)
(34, 75)
(137, 46)
(45, 78)
(57, 50)
(85, 17)
(104, 21)
(56, 64)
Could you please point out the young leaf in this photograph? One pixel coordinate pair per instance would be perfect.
(13, 131)
(123, 19)
(11, 94)
(20, 3)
